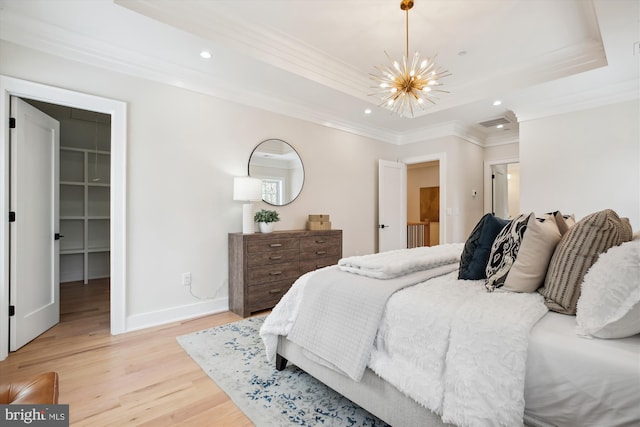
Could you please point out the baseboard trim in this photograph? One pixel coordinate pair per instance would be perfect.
(175, 314)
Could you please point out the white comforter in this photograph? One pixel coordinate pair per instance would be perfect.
(447, 343)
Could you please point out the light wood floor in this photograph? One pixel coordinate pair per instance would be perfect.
(141, 378)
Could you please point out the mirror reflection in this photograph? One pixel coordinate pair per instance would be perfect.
(279, 166)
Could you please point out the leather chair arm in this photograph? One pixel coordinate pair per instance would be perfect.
(38, 390)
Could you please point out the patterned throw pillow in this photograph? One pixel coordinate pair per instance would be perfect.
(478, 246)
(576, 253)
(504, 251)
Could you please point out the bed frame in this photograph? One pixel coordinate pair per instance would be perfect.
(372, 393)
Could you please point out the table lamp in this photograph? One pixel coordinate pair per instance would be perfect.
(247, 189)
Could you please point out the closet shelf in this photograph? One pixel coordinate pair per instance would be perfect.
(84, 214)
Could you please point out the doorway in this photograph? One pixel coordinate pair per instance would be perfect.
(502, 187)
(423, 204)
(505, 190)
(400, 186)
(117, 228)
(85, 179)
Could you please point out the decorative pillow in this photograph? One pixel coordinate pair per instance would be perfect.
(530, 267)
(576, 253)
(478, 246)
(504, 251)
(609, 305)
(564, 222)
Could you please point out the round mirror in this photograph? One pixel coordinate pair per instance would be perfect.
(280, 168)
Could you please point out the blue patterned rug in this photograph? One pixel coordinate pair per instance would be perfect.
(233, 356)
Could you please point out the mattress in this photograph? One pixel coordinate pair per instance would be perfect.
(576, 381)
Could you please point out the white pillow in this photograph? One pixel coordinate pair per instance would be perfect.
(538, 243)
(609, 306)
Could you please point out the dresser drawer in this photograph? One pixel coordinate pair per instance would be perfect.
(265, 296)
(314, 264)
(320, 252)
(272, 245)
(273, 257)
(272, 273)
(313, 243)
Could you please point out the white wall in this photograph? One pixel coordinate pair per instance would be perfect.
(583, 162)
(183, 150)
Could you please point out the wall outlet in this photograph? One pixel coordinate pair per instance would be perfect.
(186, 279)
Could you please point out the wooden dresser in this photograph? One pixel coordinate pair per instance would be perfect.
(262, 267)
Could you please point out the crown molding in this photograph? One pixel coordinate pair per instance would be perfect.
(597, 97)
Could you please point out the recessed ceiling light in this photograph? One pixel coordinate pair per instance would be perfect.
(497, 102)
(500, 126)
(205, 54)
(368, 111)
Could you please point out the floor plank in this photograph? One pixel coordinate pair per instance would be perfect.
(139, 378)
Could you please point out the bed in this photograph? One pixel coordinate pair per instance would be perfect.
(446, 351)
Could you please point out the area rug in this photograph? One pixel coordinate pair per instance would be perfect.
(233, 356)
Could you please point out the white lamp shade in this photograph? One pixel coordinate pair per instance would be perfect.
(246, 188)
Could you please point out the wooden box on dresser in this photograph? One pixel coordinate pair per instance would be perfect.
(262, 267)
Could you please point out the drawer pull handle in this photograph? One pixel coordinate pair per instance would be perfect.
(275, 257)
(321, 252)
(274, 291)
(275, 245)
(321, 241)
(275, 273)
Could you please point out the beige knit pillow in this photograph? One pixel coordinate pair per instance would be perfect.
(538, 244)
(577, 251)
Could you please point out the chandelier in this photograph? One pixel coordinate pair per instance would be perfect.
(408, 85)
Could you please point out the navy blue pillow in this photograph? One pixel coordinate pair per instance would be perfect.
(475, 255)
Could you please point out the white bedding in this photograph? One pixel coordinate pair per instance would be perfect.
(576, 381)
(458, 350)
(569, 380)
(340, 314)
(458, 374)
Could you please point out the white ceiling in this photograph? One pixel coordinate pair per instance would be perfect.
(312, 59)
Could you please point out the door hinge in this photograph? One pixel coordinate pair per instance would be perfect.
(12, 310)
(12, 122)
(12, 217)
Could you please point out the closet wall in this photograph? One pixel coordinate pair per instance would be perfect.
(85, 142)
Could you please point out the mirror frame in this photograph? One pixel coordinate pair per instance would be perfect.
(301, 164)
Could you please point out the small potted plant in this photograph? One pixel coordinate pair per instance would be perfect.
(266, 219)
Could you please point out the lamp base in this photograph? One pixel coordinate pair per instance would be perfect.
(248, 226)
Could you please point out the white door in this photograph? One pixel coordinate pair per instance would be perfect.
(500, 193)
(392, 205)
(33, 279)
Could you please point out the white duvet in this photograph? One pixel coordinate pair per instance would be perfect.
(448, 344)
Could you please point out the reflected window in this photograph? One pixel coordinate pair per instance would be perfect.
(272, 191)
